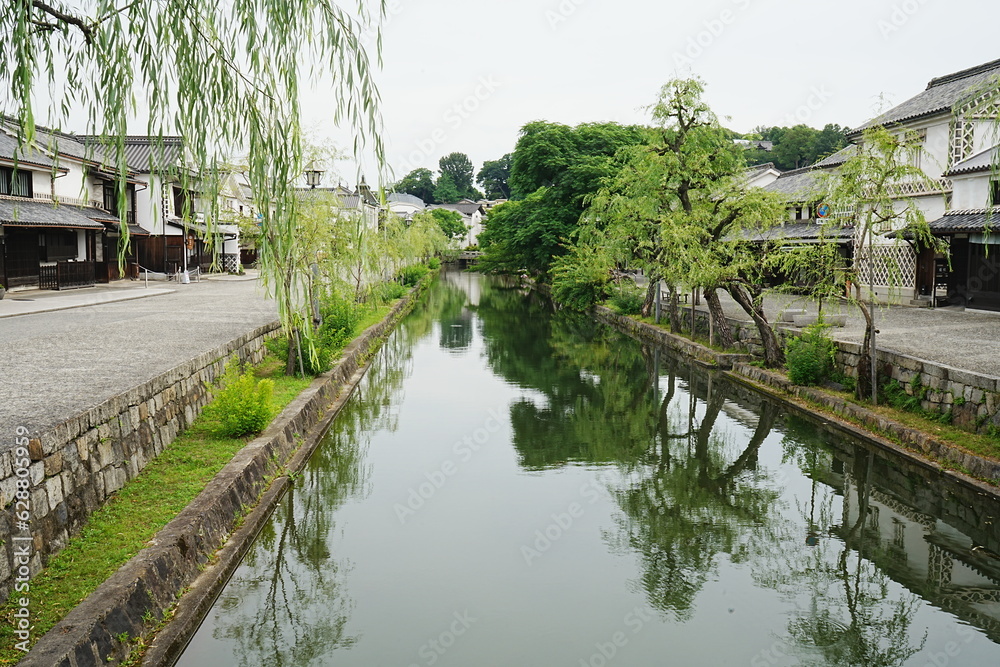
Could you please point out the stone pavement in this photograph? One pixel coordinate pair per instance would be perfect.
(964, 339)
(81, 347)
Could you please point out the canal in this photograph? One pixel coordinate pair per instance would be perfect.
(512, 486)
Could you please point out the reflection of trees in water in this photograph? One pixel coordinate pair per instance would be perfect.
(695, 491)
(700, 496)
(844, 615)
(592, 379)
(286, 605)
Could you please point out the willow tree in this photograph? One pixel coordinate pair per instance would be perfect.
(225, 76)
(678, 207)
(865, 192)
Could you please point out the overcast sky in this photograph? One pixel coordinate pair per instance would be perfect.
(466, 75)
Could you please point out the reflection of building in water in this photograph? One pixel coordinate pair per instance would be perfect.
(469, 283)
(927, 555)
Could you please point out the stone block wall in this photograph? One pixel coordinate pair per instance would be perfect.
(973, 399)
(73, 467)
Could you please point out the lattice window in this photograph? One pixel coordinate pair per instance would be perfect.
(962, 141)
(892, 265)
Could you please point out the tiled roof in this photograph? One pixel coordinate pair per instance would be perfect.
(838, 158)
(799, 185)
(942, 94)
(133, 230)
(982, 161)
(970, 220)
(151, 154)
(25, 154)
(805, 231)
(30, 213)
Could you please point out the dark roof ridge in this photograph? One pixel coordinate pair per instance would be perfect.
(963, 74)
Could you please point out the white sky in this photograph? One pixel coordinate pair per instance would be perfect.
(466, 75)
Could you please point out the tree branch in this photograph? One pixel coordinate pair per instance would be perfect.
(88, 32)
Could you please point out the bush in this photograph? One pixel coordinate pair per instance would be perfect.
(810, 357)
(411, 275)
(389, 291)
(434, 263)
(627, 300)
(340, 319)
(243, 403)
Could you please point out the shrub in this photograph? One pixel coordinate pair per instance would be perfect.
(627, 300)
(810, 357)
(389, 291)
(243, 403)
(411, 275)
(434, 263)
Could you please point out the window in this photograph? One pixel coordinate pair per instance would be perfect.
(59, 244)
(995, 192)
(15, 182)
(110, 198)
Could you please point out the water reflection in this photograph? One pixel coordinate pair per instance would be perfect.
(725, 516)
(694, 492)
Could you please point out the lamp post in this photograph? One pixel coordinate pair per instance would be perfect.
(314, 175)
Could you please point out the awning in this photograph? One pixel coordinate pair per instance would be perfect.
(133, 230)
(960, 222)
(31, 213)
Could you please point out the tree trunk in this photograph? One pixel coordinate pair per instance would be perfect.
(863, 385)
(647, 303)
(774, 357)
(722, 330)
(675, 317)
(290, 360)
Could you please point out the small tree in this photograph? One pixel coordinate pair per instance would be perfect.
(865, 192)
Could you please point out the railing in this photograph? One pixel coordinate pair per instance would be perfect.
(66, 275)
(76, 274)
(48, 276)
(930, 186)
(73, 201)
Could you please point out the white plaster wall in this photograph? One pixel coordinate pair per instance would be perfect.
(81, 244)
(971, 191)
(41, 182)
(73, 184)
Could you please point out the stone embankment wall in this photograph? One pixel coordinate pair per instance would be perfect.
(973, 399)
(73, 467)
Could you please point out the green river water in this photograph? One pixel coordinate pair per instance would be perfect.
(512, 486)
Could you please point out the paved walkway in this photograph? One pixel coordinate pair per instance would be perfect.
(79, 348)
(964, 339)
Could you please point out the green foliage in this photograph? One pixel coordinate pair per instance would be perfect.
(580, 279)
(494, 176)
(810, 357)
(434, 263)
(419, 183)
(413, 274)
(797, 146)
(389, 291)
(445, 190)
(627, 299)
(452, 223)
(458, 167)
(554, 168)
(242, 404)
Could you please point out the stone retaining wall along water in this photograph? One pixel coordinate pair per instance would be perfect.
(72, 468)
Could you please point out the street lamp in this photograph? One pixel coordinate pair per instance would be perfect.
(313, 174)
